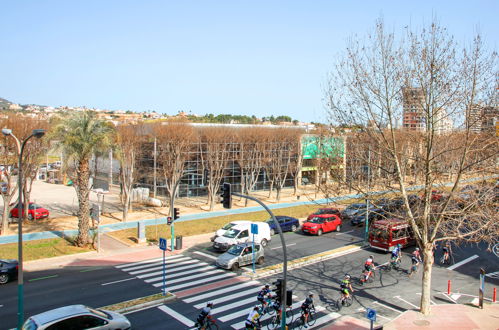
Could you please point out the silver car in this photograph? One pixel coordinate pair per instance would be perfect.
(241, 255)
(77, 317)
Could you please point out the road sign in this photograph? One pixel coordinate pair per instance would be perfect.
(254, 228)
(162, 243)
(371, 314)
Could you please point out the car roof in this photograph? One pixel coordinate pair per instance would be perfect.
(59, 313)
(246, 244)
(9, 261)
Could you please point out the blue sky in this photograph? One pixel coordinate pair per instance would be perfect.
(255, 57)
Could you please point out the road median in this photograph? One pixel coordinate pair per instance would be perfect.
(140, 303)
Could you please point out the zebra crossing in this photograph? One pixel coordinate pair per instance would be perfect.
(196, 282)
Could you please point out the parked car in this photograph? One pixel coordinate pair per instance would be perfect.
(35, 211)
(374, 214)
(241, 255)
(228, 226)
(352, 210)
(286, 223)
(77, 317)
(319, 225)
(324, 212)
(241, 234)
(8, 270)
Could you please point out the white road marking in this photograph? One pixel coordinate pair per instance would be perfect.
(188, 284)
(393, 309)
(431, 301)
(171, 275)
(493, 275)
(447, 296)
(160, 262)
(205, 255)
(177, 316)
(160, 278)
(280, 247)
(408, 303)
(175, 266)
(239, 294)
(148, 261)
(240, 325)
(221, 291)
(347, 232)
(462, 262)
(455, 296)
(126, 279)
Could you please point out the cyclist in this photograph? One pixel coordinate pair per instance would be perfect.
(397, 253)
(306, 306)
(253, 319)
(415, 260)
(264, 292)
(417, 255)
(368, 267)
(346, 286)
(204, 316)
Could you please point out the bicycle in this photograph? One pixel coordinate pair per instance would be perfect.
(367, 276)
(344, 300)
(300, 322)
(275, 323)
(393, 264)
(445, 259)
(269, 307)
(209, 323)
(413, 270)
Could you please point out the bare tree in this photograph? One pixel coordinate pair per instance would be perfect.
(175, 140)
(367, 89)
(129, 140)
(216, 148)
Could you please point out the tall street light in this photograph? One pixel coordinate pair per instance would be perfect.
(38, 133)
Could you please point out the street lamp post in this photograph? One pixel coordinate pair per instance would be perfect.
(38, 133)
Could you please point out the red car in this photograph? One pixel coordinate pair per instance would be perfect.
(324, 212)
(322, 224)
(35, 211)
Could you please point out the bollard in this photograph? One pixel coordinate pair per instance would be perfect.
(494, 295)
(448, 287)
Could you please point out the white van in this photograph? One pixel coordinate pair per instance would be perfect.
(228, 226)
(241, 234)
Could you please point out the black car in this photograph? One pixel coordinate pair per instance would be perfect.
(374, 214)
(8, 270)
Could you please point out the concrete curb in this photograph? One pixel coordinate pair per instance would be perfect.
(148, 304)
(300, 262)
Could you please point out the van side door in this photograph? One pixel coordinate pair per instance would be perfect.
(243, 236)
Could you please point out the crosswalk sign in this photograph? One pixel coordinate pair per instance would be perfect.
(162, 243)
(371, 314)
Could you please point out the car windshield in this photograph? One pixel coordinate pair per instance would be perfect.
(29, 325)
(355, 207)
(317, 220)
(34, 206)
(323, 211)
(235, 250)
(100, 313)
(231, 233)
(228, 226)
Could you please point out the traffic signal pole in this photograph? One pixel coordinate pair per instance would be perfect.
(284, 253)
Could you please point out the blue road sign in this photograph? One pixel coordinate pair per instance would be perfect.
(254, 228)
(371, 314)
(162, 243)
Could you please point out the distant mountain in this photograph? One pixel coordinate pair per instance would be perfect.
(4, 104)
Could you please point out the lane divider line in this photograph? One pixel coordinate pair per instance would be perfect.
(126, 279)
(462, 262)
(280, 247)
(42, 278)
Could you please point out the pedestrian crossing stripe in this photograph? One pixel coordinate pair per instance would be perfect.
(160, 266)
(169, 270)
(209, 270)
(221, 291)
(148, 261)
(188, 284)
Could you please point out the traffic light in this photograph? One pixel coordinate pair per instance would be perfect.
(226, 196)
(176, 213)
(168, 220)
(278, 288)
(289, 297)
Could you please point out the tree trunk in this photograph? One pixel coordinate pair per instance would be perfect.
(126, 205)
(426, 282)
(5, 217)
(82, 191)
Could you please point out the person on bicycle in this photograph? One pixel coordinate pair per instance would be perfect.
(306, 306)
(368, 267)
(204, 315)
(346, 286)
(415, 260)
(262, 294)
(253, 319)
(397, 253)
(417, 255)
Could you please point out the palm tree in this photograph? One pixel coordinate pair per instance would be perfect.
(79, 136)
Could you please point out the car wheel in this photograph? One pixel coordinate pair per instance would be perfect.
(272, 232)
(4, 278)
(235, 266)
(319, 232)
(338, 228)
(263, 242)
(30, 217)
(260, 260)
(294, 228)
